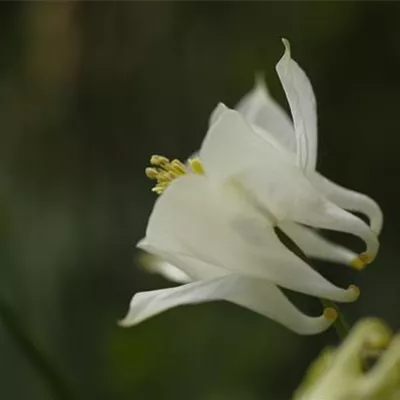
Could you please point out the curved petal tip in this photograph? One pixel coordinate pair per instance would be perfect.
(361, 261)
(354, 292)
(357, 264)
(286, 43)
(330, 314)
(217, 112)
(324, 321)
(124, 322)
(366, 258)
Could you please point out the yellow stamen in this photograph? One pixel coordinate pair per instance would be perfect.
(162, 185)
(164, 176)
(158, 160)
(196, 165)
(330, 314)
(178, 166)
(158, 189)
(165, 171)
(151, 173)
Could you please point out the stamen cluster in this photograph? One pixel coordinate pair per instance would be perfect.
(165, 171)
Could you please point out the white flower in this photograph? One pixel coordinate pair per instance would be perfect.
(340, 374)
(273, 124)
(216, 216)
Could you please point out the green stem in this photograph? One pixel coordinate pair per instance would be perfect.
(57, 385)
(341, 326)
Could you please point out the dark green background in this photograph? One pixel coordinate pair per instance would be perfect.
(88, 91)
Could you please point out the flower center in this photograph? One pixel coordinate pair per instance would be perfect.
(165, 171)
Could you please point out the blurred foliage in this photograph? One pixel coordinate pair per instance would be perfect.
(364, 367)
(88, 91)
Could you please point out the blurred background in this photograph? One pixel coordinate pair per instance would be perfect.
(88, 91)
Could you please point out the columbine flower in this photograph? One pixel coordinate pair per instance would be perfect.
(299, 139)
(216, 215)
(341, 374)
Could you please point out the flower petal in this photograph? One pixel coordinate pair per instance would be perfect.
(302, 104)
(171, 272)
(316, 246)
(327, 215)
(258, 295)
(231, 145)
(260, 110)
(173, 253)
(271, 180)
(217, 112)
(208, 233)
(301, 203)
(157, 265)
(349, 200)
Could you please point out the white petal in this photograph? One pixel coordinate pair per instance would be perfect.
(257, 295)
(232, 151)
(260, 110)
(316, 246)
(302, 104)
(172, 272)
(300, 202)
(191, 267)
(232, 146)
(349, 200)
(207, 234)
(325, 214)
(269, 258)
(157, 265)
(223, 118)
(217, 112)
